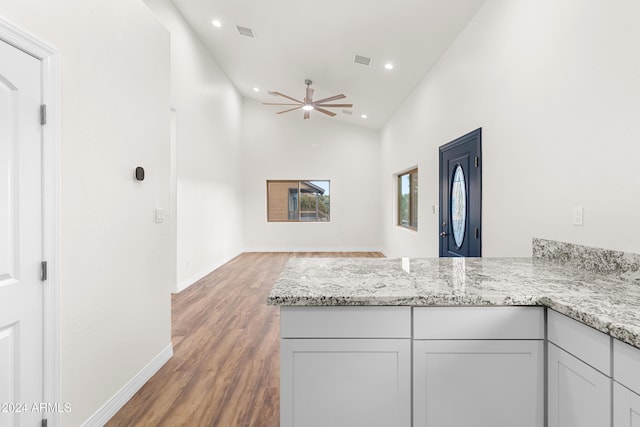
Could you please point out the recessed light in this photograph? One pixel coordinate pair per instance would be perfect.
(256, 89)
(388, 66)
(216, 23)
(364, 116)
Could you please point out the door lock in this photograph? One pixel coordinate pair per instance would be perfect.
(444, 229)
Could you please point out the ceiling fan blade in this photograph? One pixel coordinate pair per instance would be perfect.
(331, 98)
(333, 105)
(327, 112)
(286, 96)
(276, 103)
(306, 115)
(309, 95)
(290, 109)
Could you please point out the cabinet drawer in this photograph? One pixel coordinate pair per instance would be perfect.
(626, 365)
(584, 342)
(345, 322)
(454, 323)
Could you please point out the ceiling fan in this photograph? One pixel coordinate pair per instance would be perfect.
(309, 104)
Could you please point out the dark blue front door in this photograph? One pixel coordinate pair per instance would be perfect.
(461, 196)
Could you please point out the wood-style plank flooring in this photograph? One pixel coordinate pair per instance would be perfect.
(225, 369)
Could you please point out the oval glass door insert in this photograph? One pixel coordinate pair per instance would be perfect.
(458, 206)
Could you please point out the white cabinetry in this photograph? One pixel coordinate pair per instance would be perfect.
(579, 395)
(346, 382)
(626, 388)
(345, 367)
(478, 383)
(452, 366)
(579, 388)
(488, 373)
(626, 407)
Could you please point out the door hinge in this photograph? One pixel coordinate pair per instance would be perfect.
(43, 271)
(44, 422)
(477, 161)
(477, 233)
(43, 114)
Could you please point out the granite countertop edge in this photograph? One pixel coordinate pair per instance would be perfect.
(618, 331)
(603, 322)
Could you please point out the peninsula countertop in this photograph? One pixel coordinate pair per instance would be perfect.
(607, 302)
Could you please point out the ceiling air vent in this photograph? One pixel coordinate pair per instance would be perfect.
(362, 60)
(245, 31)
(347, 112)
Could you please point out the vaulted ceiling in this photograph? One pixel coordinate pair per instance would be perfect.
(294, 40)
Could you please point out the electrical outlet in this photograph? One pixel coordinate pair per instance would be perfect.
(406, 266)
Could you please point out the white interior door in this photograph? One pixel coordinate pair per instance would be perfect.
(21, 294)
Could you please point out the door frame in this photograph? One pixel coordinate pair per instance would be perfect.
(50, 60)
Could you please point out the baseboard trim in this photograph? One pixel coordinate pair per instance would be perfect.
(311, 249)
(113, 405)
(181, 286)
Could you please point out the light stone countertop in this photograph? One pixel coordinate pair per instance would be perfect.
(609, 302)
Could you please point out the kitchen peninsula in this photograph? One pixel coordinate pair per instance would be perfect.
(455, 341)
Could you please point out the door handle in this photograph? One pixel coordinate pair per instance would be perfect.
(443, 234)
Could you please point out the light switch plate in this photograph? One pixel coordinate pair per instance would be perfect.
(159, 215)
(578, 216)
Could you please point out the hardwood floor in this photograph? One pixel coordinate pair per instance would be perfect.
(225, 370)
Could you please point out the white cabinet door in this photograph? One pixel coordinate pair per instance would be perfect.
(579, 395)
(480, 383)
(626, 407)
(345, 382)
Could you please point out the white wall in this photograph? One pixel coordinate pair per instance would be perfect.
(288, 147)
(556, 88)
(208, 111)
(115, 260)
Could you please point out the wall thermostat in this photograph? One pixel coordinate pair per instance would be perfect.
(139, 173)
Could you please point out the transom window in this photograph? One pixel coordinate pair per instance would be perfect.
(408, 199)
(298, 201)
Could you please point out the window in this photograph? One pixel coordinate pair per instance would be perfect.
(408, 199)
(298, 201)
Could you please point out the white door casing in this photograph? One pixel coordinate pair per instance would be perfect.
(21, 234)
(50, 140)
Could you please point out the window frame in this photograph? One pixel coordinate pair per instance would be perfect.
(413, 204)
(298, 198)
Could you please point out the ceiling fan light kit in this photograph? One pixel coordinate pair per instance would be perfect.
(308, 104)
